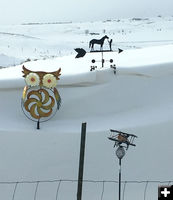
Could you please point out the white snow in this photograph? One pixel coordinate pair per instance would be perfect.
(138, 100)
(44, 41)
(6, 61)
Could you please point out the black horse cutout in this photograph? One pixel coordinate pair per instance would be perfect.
(100, 42)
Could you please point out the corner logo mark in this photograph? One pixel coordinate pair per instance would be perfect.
(165, 193)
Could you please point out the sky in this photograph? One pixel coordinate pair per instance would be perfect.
(25, 11)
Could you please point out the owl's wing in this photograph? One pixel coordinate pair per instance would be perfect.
(57, 73)
(25, 71)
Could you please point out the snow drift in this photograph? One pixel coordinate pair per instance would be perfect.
(138, 99)
(6, 61)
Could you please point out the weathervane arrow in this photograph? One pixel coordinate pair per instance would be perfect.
(81, 52)
(120, 50)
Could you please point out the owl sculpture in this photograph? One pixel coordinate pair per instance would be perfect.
(40, 99)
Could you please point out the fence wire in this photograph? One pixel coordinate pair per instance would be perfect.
(59, 182)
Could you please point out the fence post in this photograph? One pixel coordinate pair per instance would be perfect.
(81, 162)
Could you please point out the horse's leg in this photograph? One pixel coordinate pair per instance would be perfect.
(92, 48)
(101, 47)
(91, 44)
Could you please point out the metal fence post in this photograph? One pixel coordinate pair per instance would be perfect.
(81, 161)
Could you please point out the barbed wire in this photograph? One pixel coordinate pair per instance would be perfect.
(103, 188)
(124, 189)
(15, 188)
(59, 181)
(145, 190)
(36, 189)
(85, 180)
(57, 192)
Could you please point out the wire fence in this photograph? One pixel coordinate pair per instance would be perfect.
(67, 189)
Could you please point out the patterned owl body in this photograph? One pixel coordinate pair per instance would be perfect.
(40, 99)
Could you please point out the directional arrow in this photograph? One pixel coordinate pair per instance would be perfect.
(81, 52)
(120, 50)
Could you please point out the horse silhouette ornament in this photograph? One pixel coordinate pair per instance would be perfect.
(99, 42)
(81, 53)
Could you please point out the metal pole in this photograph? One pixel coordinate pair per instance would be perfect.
(81, 161)
(120, 179)
(38, 124)
(102, 60)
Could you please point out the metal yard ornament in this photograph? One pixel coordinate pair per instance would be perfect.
(122, 139)
(40, 99)
(99, 42)
(122, 142)
(81, 52)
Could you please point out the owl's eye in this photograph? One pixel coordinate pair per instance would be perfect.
(32, 79)
(49, 81)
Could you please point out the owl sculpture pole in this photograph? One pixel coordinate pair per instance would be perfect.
(40, 99)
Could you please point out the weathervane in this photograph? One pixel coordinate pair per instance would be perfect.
(81, 52)
(122, 141)
(40, 99)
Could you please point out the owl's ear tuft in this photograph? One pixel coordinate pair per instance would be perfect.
(57, 73)
(25, 71)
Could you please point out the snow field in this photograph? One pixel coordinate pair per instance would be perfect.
(138, 100)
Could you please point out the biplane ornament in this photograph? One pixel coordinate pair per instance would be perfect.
(122, 138)
(40, 99)
(82, 52)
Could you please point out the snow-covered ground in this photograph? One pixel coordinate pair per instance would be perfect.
(41, 41)
(138, 100)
